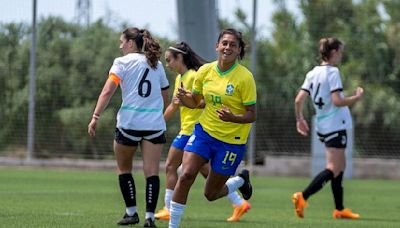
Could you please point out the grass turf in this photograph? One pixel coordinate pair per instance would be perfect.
(82, 198)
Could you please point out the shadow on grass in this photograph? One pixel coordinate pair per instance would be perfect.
(396, 220)
(194, 222)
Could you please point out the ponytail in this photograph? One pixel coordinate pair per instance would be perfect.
(326, 45)
(190, 58)
(145, 43)
(151, 48)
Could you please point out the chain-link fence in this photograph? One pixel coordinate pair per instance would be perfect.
(73, 62)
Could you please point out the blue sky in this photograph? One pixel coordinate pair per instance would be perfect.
(159, 16)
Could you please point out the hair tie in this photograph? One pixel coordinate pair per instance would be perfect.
(178, 50)
(139, 36)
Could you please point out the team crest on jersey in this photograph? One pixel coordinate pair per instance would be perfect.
(229, 89)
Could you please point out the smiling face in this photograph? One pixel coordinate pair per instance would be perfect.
(228, 48)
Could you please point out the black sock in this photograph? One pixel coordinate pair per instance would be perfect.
(317, 183)
(152, 191)
(128, 189)
(337, 190)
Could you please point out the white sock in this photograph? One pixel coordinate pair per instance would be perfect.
(150, 215)
(176, 212)
(234, 183)
(130, 210)
(168, 198)
(235, 198)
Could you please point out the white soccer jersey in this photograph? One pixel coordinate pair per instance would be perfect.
(320, 83)
(142, 103)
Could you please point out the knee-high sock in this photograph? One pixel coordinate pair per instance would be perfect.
(235, 198)
(128, 189)
(337, 190)
(317, 183)
(234, 183)
(152, 191)
(168, 198)
(176, 213)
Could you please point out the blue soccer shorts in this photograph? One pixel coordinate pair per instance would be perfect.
(224, 157)
(180, 141)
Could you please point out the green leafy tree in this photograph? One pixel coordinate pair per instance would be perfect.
(14, 69)
(73, 64)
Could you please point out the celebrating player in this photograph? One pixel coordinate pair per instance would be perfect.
(229, 92)
(183, 60)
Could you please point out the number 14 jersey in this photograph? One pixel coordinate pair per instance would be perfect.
(320, 83)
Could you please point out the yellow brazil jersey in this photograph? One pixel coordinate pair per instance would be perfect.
(189, 117)
(234, 88)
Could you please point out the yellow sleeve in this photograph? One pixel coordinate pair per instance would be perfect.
(199, 78)
(249, 91)
(177, 84)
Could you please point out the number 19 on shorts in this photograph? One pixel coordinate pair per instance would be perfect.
(229, 157)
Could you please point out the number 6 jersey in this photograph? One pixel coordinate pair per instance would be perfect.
(320, 83)
(142, 103)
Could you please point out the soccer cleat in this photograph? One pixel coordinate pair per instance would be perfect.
(299, 204)
(246, 189)
(149, 223)
(129, 220)
(239, 211)
(345, 214)
(162, 214)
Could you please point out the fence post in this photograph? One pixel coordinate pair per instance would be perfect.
(32, 90)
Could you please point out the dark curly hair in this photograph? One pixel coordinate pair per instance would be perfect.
(190, 58)
(145, 42)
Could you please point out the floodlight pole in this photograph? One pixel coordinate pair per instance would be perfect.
(32, 89)
(198, 25)
(252, 138)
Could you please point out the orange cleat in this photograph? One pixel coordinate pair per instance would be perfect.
(162, 214)
(345, 214)
(239, 211)
(299, 204)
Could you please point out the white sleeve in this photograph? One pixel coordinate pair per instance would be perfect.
(335, 83)
(164, 81)
(117, 68)
(306, 84)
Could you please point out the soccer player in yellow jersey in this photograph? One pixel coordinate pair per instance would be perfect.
(229, 92)
(183, 60)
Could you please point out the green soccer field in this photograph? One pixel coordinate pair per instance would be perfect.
(80, 198)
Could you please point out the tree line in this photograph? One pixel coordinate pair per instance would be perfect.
(73, 63)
